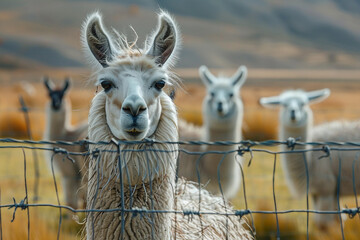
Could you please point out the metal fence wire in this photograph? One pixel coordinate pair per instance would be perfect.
(328, 150)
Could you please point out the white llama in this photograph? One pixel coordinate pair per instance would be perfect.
(296, 121)
(59, 128)
(133, 106)
(223, 115)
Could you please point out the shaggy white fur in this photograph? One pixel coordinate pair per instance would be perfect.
(58, 128)
(223, 115)
(139, 175)
(339, 167)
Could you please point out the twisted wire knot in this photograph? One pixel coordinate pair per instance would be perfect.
(352, 212)
(326, 149)
(138, 211)
(291, 143)
(95, 153)
(242, 213)
(191, 213)
(58, 150)
(16, 205)
(241, 151)
(149, 141)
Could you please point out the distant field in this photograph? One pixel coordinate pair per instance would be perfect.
(259, 124)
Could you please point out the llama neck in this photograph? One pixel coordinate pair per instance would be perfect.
(228, 129)
(147, 178)
(57, 121)
(294, 164)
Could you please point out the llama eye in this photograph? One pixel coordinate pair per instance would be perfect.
(212, 94)
(106, 85)
(231, 95)
(159, 85)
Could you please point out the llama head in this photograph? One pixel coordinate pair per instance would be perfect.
(294, 104)
(222, 100)
(132, 79)
(56, 94)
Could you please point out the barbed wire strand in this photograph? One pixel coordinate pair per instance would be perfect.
(26, 195)
(338, 185)
(57, 194)
(307, 195)
(222, 193)
(245, 198)
(122, 201)
(354, 181)
(274, 197)
(25, 110)
(97, 155)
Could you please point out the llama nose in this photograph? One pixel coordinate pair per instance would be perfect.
(292, 115)
(134, 105)
(220, 107)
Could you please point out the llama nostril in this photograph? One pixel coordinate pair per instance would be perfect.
(220, 107)
(293, 115)
(141, 109)
(127, 110)
(133, 111)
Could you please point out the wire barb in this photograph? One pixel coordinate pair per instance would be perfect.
(242, 213)
(16, 205)
(326, 149)
(291, 143)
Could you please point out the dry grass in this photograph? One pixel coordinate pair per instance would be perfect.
(44, 222)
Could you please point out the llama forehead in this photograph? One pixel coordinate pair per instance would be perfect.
(135, 61)
(221, 87)
(57, 93)
(130, 72)
(295, 97)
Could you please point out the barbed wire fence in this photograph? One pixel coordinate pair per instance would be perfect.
(326, 149)
(243, 147)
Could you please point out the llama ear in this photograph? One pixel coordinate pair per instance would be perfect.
(47, 83)
(164, 40)
(96, 39)
(66, 84)
(318, 96)
(239, 78)
(270, 102)
(206, 76)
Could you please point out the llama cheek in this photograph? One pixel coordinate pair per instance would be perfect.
(117, 104)
(114, 122)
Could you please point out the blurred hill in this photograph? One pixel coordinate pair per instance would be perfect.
(312, 34)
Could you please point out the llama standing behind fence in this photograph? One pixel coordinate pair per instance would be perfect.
(296, 121)
(223, 115)
(59, 128)
(141, 177)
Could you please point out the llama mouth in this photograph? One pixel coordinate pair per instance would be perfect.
(133, 132)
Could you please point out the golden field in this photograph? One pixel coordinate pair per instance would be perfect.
(259, 124)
